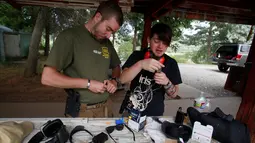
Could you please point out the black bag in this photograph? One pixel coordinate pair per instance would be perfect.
(225, 128)
(126, 103)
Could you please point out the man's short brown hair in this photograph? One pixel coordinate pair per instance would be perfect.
(110, 9)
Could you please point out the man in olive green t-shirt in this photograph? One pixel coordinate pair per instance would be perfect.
(80, 60)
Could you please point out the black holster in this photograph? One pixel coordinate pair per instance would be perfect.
(125, 103)
(72, 103)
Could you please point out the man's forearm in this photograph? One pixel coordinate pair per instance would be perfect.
(130, 73)
(52, 77)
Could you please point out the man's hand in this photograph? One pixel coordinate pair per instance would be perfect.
(111, 85)
(160, 78)
(151, 65)
(97, 87)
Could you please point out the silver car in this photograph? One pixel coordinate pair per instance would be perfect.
(230, 55)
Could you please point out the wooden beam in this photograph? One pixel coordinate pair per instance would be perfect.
(213, 17)
(146, 31)
(75, 4)
(139, 9)
(13, 4)
(215, 9)
(159, 8)
(242, 4)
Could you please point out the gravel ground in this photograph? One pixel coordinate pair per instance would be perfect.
(206, 78)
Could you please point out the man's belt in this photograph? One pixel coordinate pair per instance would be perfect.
(94, 105)
(52, 131)
(73, 105)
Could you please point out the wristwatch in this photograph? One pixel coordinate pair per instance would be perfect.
(117, 81)
(88, 85)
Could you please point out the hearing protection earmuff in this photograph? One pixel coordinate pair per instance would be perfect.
(149, 54)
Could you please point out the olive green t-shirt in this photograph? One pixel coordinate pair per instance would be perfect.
(78, 54)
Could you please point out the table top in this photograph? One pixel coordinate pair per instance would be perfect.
(94, 125)
(98, 125)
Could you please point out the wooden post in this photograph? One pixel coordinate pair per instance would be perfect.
(246, 113)
(146, 31)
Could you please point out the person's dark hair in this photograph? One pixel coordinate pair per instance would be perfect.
(163, 31)
(110, 9)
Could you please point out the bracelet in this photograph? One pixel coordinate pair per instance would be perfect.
(88, 85)
(168, 85)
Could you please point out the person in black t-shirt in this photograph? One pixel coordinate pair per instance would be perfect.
(152, 73)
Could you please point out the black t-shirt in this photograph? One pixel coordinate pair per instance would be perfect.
(144, 82)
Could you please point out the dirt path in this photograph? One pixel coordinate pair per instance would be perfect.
(15, 88)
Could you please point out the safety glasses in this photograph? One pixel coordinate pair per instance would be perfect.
(118, 127)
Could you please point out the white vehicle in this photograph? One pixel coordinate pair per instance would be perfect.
(230, 55)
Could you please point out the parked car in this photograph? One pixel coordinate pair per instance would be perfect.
(230, 55)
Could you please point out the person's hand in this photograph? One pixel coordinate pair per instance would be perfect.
(160, 78)
(151, 65)
(111, 85)
(97, 87)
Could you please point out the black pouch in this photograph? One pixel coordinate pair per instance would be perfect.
(126, 103)
(100, 138)
(72, 103)
(179, 118)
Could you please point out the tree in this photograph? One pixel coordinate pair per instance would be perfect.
(61, 19)
(210, 34)
(31, 65)
(125, 50)
(18, 20)
(54, 20)
(176, 23)
(136, 22)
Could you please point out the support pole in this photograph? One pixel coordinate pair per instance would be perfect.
(246, 112)
(147, 30)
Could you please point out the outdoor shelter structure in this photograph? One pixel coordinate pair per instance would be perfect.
(231, 11)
